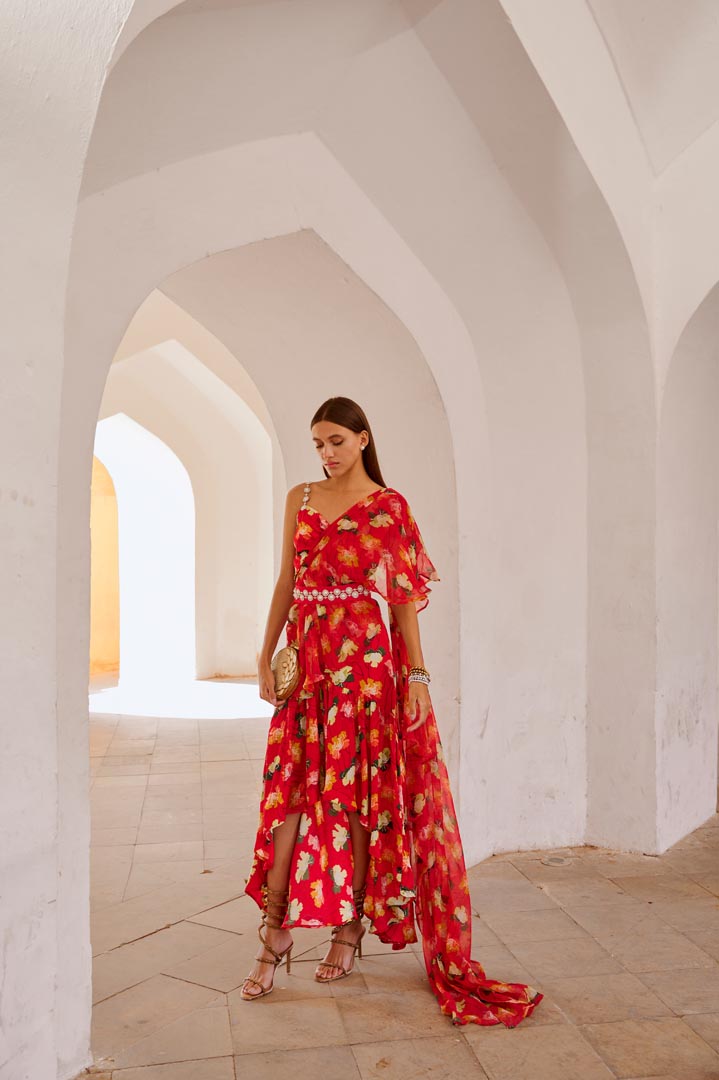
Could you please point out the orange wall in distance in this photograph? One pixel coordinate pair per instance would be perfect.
(104, 574)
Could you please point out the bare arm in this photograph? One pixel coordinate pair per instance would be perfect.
(282, 595)
(419, 701)
(406, 616)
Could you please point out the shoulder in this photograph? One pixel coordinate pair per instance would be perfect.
(294, 497)
(394, 499)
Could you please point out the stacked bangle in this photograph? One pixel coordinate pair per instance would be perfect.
(418, 674)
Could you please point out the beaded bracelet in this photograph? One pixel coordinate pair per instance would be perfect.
(418, 674)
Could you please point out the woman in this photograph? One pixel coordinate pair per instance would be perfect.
(356, 817)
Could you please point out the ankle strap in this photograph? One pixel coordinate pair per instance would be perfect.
(274, 905)
(358, 895)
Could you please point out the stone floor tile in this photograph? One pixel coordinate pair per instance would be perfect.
(694, 991)
(128, 1016)
(379, 1017)
(179, 778)
(707, 1026)
(565, 959)
(495, 870)
(157, 767)
(123, 817)
(706, 940)
(482, 933)
(547, 924)
(539, 1053)
(603, 998)
(349, 987)
(303, 1023)
(299, 984)
(241, 916)
(207, 1069)
(146, 878)
(499, 963)
(709, 882)
(540, 869)
(137, 768)
(392, 974)
(323, 1062)
(132, 919)
(654, 921)
(179, 849)
(110, 854)
(222, 967)
(113, 836)
(584, 892)
(226, 848)
(656, 948)
(612, 864)
(162, 834)
(176, 755)
(636, 1047)
(689, 914)
(202, 1033)
(104, 896)
(708, 837)
(693, 861)
(130, 964)
(445, 1057)
(171, 817)
(121, 781)
(653, 887)
(606, 922)
(498, 895)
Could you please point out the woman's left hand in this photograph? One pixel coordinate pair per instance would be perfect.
(419, 704)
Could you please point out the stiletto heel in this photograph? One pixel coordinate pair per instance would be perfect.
(358, 896)
(273, 918)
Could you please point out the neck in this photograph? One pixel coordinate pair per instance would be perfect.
(353, 480)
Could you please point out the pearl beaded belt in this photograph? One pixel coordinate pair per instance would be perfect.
(341, 593)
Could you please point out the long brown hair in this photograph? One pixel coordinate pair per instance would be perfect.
(347, 413)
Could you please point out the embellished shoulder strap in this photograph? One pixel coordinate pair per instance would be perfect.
(306, 495)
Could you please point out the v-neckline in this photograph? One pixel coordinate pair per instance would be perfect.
(329, 524)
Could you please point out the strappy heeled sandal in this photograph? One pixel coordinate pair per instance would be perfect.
(358, 896)
(277, 901)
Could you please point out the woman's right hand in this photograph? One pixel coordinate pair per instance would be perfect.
(266, 681)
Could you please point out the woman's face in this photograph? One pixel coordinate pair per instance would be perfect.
(338, 447)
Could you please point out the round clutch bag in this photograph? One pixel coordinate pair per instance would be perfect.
(286, 669)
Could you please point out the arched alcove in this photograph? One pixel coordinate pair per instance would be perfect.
(687, 568)
(456, 258)
(156, 524)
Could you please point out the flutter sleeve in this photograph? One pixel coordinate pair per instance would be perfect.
(401, 567)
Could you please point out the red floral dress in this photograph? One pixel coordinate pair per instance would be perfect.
(337, 745)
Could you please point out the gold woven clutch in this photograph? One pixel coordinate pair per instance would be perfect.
(286, 669)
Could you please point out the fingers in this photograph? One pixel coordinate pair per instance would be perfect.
(423, 714)
(267, 694)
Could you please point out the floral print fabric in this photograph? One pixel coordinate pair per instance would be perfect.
(336, 746)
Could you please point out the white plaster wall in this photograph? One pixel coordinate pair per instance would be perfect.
(54, 60)
(687, 560)
(479, 54)
(478, 256)
(158, 320)
(227, 455)
(666, 59)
